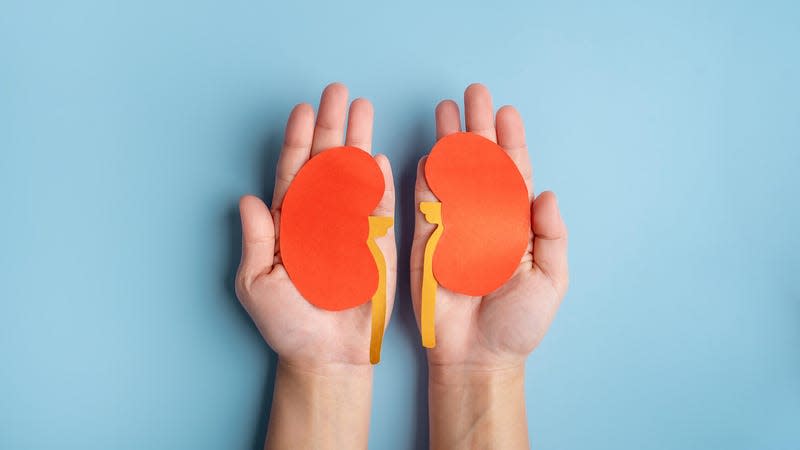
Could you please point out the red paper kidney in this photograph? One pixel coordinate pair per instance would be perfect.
(485, 213)
(324, 228)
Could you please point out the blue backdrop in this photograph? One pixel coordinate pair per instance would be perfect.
(670, 131)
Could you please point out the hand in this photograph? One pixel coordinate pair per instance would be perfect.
(498, 331)
(303, 335)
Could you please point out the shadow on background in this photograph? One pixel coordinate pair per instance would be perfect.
(265, 160)
(421, 140)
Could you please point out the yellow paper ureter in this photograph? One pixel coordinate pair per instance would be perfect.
(433, 214)
(378, 226)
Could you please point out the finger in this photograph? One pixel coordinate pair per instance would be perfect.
(329, 129)
(295, 152)
(359, 125)
(258, 238)
(386, 206)
(550, 240)
(478, 111)
(448, 119)
(511, 136)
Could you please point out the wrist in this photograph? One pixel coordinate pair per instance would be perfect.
(490, 405)
(476, 375)
(322, 370)
(325, 406)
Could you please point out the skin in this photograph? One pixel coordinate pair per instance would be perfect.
(323, 385)
(477, 367)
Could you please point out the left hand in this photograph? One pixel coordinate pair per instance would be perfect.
(497, 331)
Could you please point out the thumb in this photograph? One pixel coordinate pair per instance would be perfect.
(550, 241)
(258, 238)
(422, 193)
(422, 231)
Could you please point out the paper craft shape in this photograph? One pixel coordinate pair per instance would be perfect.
(482, 217)
(327, 236)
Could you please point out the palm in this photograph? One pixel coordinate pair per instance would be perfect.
(297, 330)
(502, 328)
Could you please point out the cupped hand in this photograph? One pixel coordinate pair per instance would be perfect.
(300, 333)
(497, 331)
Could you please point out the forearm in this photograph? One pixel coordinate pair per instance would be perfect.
(477, 408)
(320, 409)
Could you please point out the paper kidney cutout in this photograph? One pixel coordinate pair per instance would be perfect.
(327, 234)
(324, 228)
(483, 215)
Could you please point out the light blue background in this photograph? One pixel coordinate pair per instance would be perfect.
(670, 131)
